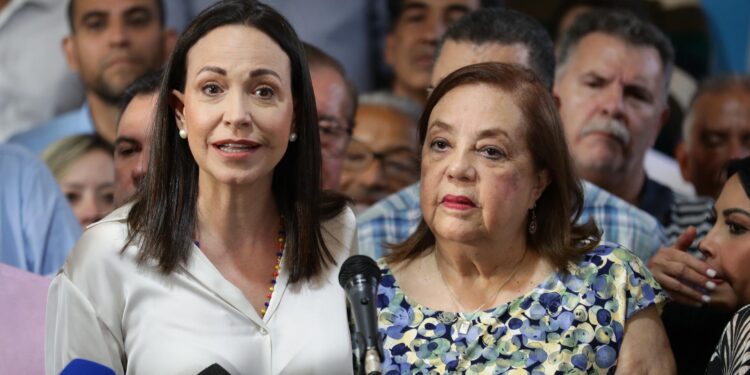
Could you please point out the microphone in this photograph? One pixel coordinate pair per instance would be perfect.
(360, 276)
(81, 366)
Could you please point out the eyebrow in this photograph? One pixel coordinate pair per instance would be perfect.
(122, 139)
(135, 10)
(457, 8)
(486, 133)
(418, 5)
(730, 211)
(441, 125)
(253, 73)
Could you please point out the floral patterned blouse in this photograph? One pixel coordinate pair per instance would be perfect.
(569, 324)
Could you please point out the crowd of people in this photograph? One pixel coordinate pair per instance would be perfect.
(193, 212)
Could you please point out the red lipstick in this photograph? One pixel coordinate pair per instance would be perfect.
(458, 202)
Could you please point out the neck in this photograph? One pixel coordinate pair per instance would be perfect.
(236, 217)
(626, 186)
(3, 4)
(485, 260)
(419, 96)
(104, 116)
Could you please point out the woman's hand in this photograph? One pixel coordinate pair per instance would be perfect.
(687, 279)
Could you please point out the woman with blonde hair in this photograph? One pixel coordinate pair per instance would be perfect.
(84, 168)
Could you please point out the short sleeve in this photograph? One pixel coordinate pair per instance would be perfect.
(641, 288)
(74, 331)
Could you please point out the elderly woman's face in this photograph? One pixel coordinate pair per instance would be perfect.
(237, 107)
(727, 245)
(478, 179)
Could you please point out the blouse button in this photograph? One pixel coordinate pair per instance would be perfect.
(263, 331)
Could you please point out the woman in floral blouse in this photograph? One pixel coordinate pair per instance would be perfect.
(498, 278)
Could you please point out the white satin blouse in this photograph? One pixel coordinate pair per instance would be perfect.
(133, 319)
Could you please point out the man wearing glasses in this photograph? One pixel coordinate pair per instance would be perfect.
(336, 101)
(382, 155)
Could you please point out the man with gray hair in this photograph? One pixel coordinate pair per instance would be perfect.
(716, 130)
(612, 79)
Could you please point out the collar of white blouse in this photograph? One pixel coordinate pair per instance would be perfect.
(201, 268)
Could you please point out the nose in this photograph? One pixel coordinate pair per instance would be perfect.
(709, 246)
(141, 167)
(461, 168)
(433, 29)
(117, 33)
(373, 175)
(612, 100)
(237, 111)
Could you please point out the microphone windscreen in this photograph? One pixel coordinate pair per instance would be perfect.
(80, 366)
(358, 264)
(214, 369)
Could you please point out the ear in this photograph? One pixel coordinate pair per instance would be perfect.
(542, 180)
(680, 153)
(390, 45)
(70, 50)
(170, 39)
(177, 102)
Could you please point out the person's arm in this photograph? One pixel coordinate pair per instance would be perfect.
(49, 227)
(645, 347)
(687, 279)
(74, 331)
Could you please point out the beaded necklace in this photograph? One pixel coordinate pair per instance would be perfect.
(280, 245)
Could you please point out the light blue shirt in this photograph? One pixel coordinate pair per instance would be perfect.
(395, 218)
(71, 123)
(37, 226)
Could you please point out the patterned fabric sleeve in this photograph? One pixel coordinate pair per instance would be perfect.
(641, 288)
(732, 355)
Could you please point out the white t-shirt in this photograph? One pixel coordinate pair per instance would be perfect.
(104, 308)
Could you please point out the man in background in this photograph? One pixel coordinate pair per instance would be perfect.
(716, 130)
(133, 141)
(112, 42)
(612, 79)
(410, 45)
(336, 102)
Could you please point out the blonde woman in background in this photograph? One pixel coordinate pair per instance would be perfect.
(84, 167)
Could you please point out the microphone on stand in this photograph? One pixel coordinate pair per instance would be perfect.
(360, 276)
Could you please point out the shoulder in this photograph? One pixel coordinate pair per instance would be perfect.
(617, 272)
(99, 250)
(340, 233)
(70, 123)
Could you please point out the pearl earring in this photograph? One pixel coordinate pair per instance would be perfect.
(292, 137)
(183, 133)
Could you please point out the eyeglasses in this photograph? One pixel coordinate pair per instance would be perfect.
(399, 162)
(333, 136)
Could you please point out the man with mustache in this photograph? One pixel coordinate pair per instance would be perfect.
(501, 35)
(612, 77)
(416, 28)
(112, 42)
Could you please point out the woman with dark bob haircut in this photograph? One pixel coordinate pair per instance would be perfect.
(228, 257)
(498, 277)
